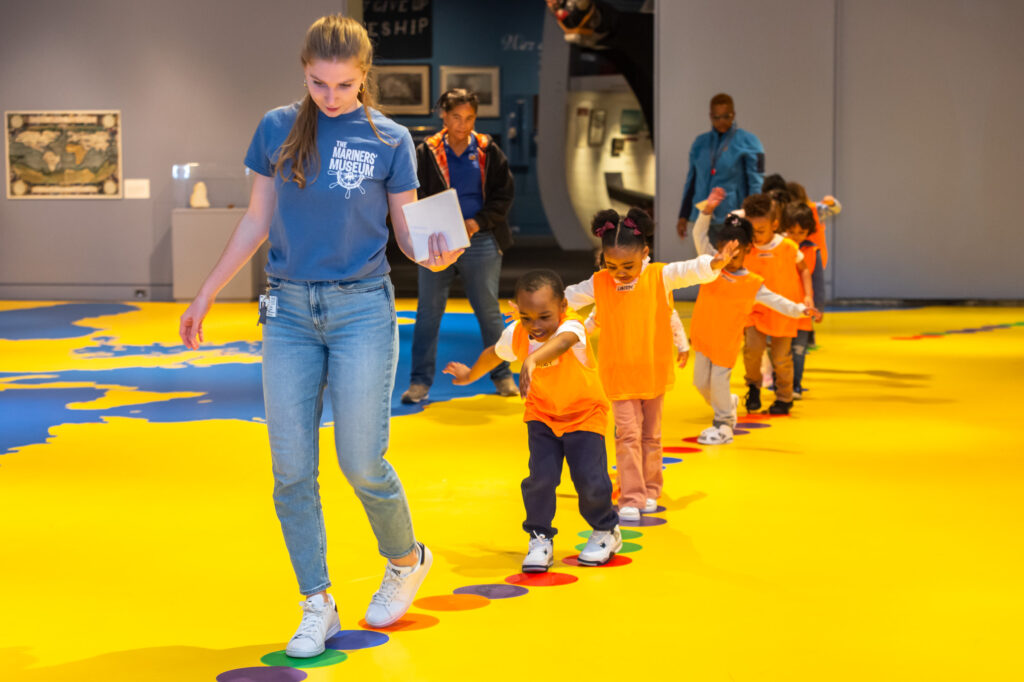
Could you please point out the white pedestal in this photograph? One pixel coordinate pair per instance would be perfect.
(198, 236)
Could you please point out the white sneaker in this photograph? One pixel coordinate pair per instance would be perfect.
(651, 506)
(735, 408)
(715, 435)
(319, 623)
(601, 547)
(540, 556)
(397, 590)
(629, 513)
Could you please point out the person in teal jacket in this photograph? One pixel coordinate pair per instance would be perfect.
(726, 156)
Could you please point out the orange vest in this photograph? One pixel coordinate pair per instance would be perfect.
(636, 353)
(565, 394)
(778, 267)
(819, 235)
(810, 252)
(721, 313)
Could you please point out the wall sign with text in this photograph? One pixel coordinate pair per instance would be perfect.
(400, 29)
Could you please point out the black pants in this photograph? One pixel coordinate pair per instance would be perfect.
(588, 465)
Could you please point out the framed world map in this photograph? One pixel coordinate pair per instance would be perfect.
(63, 154)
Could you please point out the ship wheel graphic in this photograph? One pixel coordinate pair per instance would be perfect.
(349, 180)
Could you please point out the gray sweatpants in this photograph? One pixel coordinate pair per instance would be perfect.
(713, 383)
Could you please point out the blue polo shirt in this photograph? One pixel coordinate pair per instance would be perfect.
(335, 228)
(464, 174)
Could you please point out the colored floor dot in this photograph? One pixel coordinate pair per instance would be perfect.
(753, 425)
(262, 674)
(617, 560)
(452, 602)
(644, 521)
(627, 547)
(670, 460)
(740, 432)
(626, 534)
(328, 657)
(493, 591)
(408, 622)
(350, 640)
(657, 510)
(549, 579)
(691, 439)
(680, 450)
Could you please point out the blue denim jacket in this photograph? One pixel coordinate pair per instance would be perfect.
(737, 158)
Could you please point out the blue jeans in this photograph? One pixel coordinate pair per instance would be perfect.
(480, 269)
(800, 343)
(342, 337)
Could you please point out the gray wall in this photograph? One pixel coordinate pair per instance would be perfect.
(905, 111)
(191, 78)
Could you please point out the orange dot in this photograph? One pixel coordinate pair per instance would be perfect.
(410, 621)
(453, 602)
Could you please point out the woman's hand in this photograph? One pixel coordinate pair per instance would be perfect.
(724, 255)
(440, 257)
(190, 325)
(681, 228)
(472, 227)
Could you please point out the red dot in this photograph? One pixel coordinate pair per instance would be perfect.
(452, 602)
(691, 439)
(679, 450)
(549, 579)
(617, 560)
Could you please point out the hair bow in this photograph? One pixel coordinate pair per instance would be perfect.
(604, 228)
(628, 222)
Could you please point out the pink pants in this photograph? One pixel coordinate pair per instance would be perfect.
(638, 450)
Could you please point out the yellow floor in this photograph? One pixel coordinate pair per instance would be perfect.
(874, 535)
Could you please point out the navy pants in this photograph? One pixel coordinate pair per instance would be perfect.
(588, 465)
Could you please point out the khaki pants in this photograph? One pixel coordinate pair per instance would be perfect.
(638, 450)
(782, 360)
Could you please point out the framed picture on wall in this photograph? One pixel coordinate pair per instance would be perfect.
(485, 81)
(596, 129)
(404, 89)
(63, 154)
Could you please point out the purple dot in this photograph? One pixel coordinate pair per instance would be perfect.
(276, 673)
(740, 432)
(644, 521)
(493, 591)
(752, 425)
(348, 640)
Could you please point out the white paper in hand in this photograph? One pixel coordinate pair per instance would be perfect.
(436, 213)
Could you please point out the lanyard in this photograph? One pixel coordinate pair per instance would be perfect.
(716, 153)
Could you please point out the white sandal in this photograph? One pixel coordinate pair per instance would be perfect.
(721, 435)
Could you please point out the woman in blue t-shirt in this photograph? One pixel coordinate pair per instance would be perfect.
(328, 169)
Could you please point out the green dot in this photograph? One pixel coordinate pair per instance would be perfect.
(627, 547)
(328, 657)
(626, 534)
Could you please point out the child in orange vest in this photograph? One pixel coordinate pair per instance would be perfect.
(779, 261)
(720, 315)
(822, 210)
(566, 417)
(636, 357)
(798, 223)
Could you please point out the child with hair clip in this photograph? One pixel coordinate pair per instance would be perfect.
(779, 261)
(798, 224)
(720, 315)
(566, 417)
(822, 210)
(633, 308)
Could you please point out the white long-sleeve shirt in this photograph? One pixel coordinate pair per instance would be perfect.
(684, 273)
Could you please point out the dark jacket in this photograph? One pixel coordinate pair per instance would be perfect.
(498, 185)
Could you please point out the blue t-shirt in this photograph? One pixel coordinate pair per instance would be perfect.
(464, 173)
(335, 229)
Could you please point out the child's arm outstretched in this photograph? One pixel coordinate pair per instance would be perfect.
(767, 297)
(462, 375)
(703, 224)
(828, 207)
(580, 295)
(805, 277)
(558, 344)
